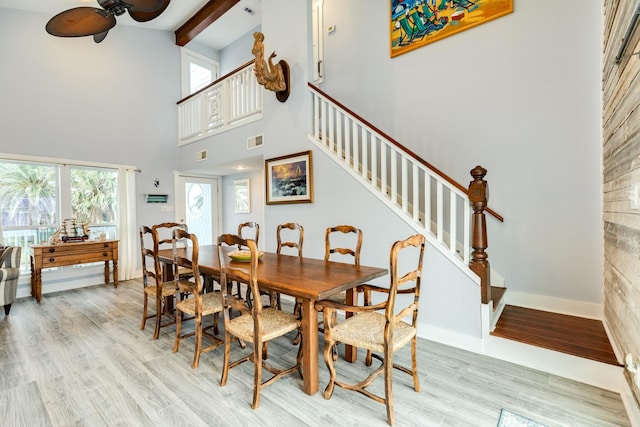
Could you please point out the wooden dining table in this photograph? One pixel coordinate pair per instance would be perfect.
(307, 279)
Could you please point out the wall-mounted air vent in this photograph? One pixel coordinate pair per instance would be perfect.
(254, 142)
(201, 155)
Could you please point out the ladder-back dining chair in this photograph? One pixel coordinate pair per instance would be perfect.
(164, 237)
(289, 238)
(342, 243)
(381, 329)
(256, 324)
(252, 228)
(154, 287)
(196, 303)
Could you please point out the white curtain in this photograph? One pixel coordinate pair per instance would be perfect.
(127, 247)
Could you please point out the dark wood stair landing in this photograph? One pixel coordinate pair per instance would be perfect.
(573, 335)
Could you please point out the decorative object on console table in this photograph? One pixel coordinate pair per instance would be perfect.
(74, 232)
(274, 77)
(289, 179)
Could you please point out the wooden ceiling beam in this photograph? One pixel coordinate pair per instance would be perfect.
(211, 11)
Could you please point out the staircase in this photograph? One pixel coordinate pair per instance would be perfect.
(451, 216)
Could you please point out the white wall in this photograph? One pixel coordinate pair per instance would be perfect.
(112, 102)
(237, 53)
(230, 219)
(520, 96)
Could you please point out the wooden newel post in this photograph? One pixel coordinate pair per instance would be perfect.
(479, 263)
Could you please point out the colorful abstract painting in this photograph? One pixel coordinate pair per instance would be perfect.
(415, 23)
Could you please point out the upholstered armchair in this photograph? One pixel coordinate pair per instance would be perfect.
(9, 273)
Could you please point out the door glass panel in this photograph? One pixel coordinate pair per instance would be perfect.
(198, 211)
(197, 206)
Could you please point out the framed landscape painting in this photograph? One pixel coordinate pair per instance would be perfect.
(415, 23)
(289, 179)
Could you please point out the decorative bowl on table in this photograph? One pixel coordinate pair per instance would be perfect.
(243, 256)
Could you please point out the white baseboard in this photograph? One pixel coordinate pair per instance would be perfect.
(630, 404)
(586, 371)
(556, 305)
(452, 338)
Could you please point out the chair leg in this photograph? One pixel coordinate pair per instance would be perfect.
(156, 332)
(297, 308)
(7, 309)
(257, 374)
(368, 359)
(334, 351)
(299, 357)
(388, 379)
(328, 360)
(196, 356)
(144, 311)
(414, 364)
(227, 353)
(176, 346)
(216, 330)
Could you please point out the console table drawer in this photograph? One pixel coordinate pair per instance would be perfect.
(60, 259)
(75, 248)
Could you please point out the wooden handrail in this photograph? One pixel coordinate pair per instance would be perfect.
(218, 80)
(403, 148)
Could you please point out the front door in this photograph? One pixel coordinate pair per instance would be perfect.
(197, 205)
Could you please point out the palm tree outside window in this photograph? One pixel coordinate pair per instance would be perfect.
(35, 197)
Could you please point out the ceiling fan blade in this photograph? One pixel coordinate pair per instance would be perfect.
(145, 5)
(141, 16)
(100, 36)
(80, 21)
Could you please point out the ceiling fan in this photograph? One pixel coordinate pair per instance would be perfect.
(96, 22)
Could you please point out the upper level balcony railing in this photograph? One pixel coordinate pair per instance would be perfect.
(233, 100)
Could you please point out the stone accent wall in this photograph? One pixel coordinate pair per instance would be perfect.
(621, 171)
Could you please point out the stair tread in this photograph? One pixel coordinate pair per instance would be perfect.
(573, 335)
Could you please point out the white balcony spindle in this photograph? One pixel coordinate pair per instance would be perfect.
(394, 176)
(416, 198)
(405, 186)
(440, 211)
(364, 151)
(453, 222)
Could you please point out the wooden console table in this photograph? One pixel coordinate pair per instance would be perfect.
(48, 256)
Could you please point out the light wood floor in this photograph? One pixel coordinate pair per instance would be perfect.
(79, 358)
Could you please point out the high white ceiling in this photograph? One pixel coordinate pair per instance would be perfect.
(235, 23)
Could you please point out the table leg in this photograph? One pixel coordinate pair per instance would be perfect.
(33, 277)
(115, 273)
(106, 272)
(350, 352)
(309, 346)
